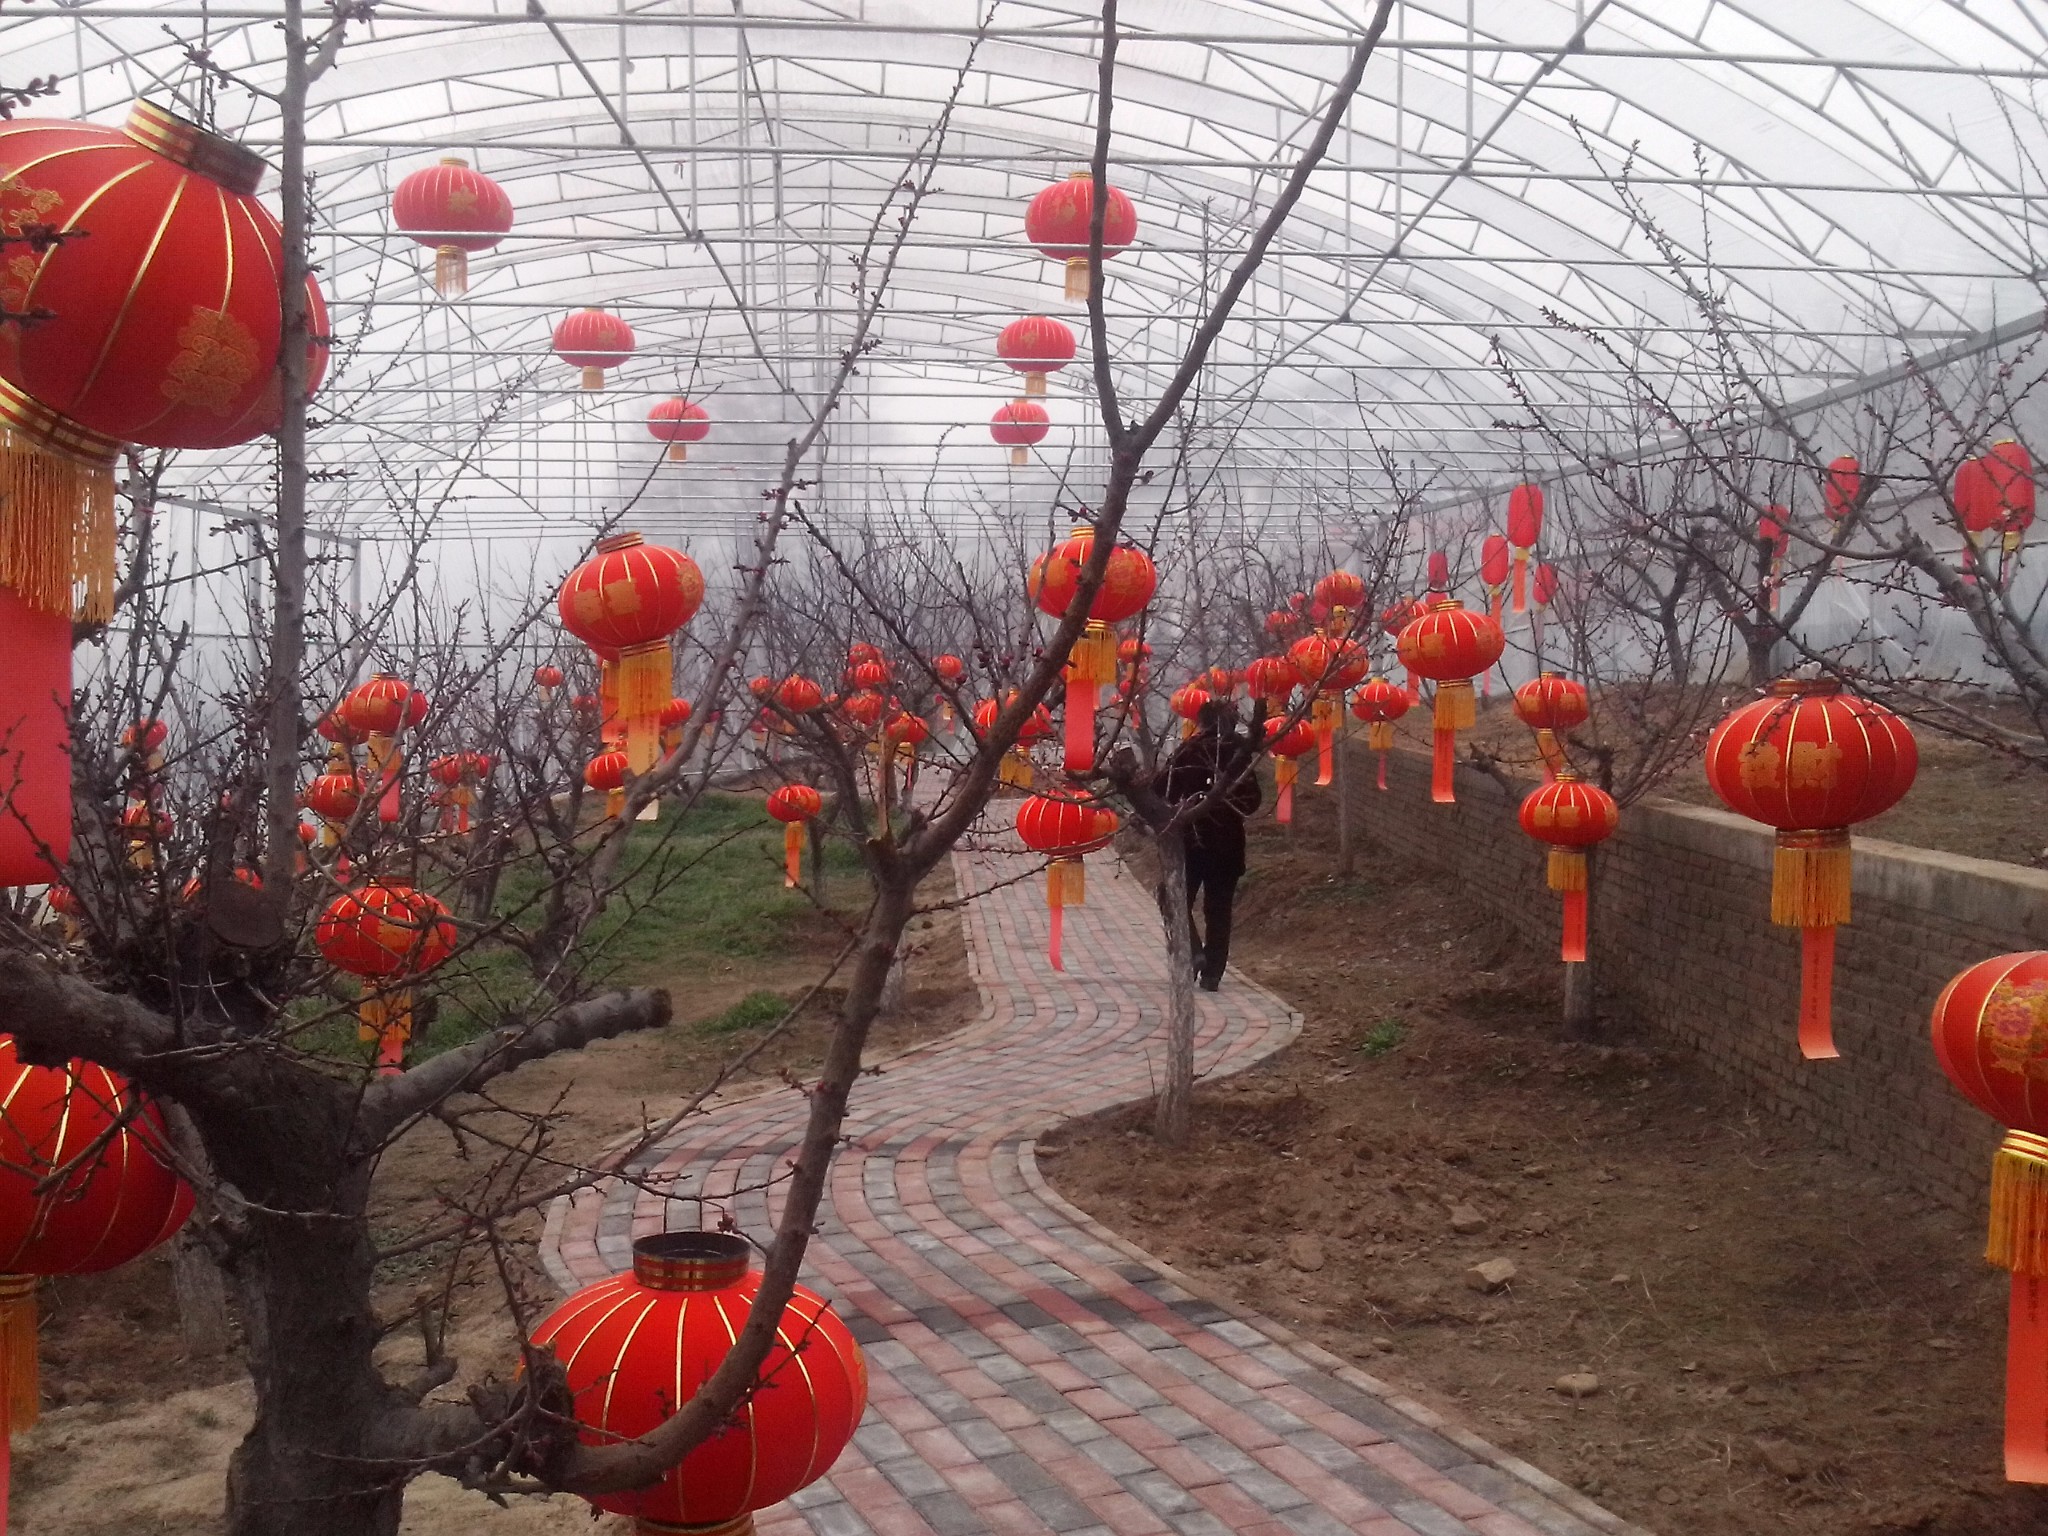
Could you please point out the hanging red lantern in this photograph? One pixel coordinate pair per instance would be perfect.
(1379, 704)
(863, 651)
(1058, 221)
(1439, 573)
(1343, 594)
(1328, 668)
(2009, 475)
(635, 1347)
(454, 210)
(1543, 588)
(591, 341)
(1127, 586)
(630, 597)
(1525, 528)
(1494, 564)
(1570, 815)
(388, 935)
(675, 714)
(865, 710)
(377, 711)
(1187, 703)
(949, 670)
(799, 695)
(547, 679)
(1287, 744)
(1018, 426)
(1774, 532)
(1548, 703)
(35, 739)
(678, 423)
(607, 773)
(1282, 623)
(1976, 503)
(1841, 487)
(1132, 654)
(794, 805)
(1035, 346)
(1221, 682)
(1397, 617)
(1991, 1038)
(1064, 827)
(869, 676)
(457, 774)
(1811, 761)
(334, 798)
(1450, 645)
(1015, 768)
(1272, 678)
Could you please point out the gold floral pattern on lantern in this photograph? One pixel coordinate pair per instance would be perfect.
(216, 357)
(2016, 1028)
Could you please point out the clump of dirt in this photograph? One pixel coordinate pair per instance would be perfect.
(1710, 1325)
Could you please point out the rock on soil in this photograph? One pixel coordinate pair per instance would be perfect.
(1490, 1275)
(1306, 1253)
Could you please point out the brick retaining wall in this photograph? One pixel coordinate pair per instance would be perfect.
(1683, 939)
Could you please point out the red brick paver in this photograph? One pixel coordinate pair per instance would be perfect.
(1032, 1372)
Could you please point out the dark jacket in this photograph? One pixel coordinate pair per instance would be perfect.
(1216, 833)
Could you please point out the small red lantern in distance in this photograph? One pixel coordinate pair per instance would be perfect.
(1494, 562)
(1379, 703)
(379, 709)
(1128, 583)
(1525, 528)
(679, 423)
(1841, 487)
(1439, 573)
(1018, 426)
(1991, 1038)
(1342, 593)
(1064, 828)
(547, 679)
(1187, 703)
(793, 805)
(1327, 667)
(1811, 761)
(799, 695)
(1548, 703)
(1544, 587)
(1451, 645)
(629, 597)
(1287, 743)
(2009, 473)
(1272, 678)
(1035, 346)
(592, 340)
(453, 210)
(1570, 815)
(634, 1347)
(389, 935)
(949, 669)
(1058, 221)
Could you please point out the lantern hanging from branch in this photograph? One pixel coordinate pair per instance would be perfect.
(949, 670)
(388, 935)
(794, 805)
(1570, 815)
(1548, 703)
(1977, 508)
(547, 679)
(1187, 703)
(1450, 645)
(1991, 1038)
(334, 797)
(1272, 679)
(2009, 474)
(1221, 682)
(590, 341)
(1841, 487)
(453, 210)
(1015, 769)
(1058, 222)
(1525, 528)
(675, 714)
(1439, 574)
(1774, 538)
(377, 711)
(1342, 594)
(678, 423)
(1128, 582)
(630, 597)
(607, 773)
(1811, 761)
(1494, 565)
(1395, 618)
(1019, 426)
(1036, 346)
(1379, 704)
(1287, 744)
(1328, 668)
(634, 1348)
(1064, 827)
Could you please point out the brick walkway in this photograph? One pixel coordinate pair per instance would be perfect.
(1031, 1371)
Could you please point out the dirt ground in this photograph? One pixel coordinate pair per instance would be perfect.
(1778, 1339)
(136, 1435)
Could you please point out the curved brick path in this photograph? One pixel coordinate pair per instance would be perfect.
(1032, 1372)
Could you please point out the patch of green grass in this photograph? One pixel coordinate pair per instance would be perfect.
(756, 1010)
(1382, 1037)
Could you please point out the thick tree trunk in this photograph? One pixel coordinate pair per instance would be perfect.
(1177, 1089)
(202, 1298)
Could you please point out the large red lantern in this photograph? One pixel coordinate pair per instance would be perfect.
(1841, 487)
(1450, 645)
(793, 805)
(1035, 346)
(630, 597)
(636, 1347)
(1058, 220)
(1288, 744)
(1019, 425)
(1064, 827)
(454, 210)
(377, 711)
(1328, 667)
(679, 423)
(158, 322)
(1570, 815)
(592, 340)
(1379, 704)
(1494, 564)
(1548, 703)
(1811, 761)
(1127, 586)
(1525, 528)
(389, 935)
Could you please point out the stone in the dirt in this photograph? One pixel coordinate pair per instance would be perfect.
(1466, 1220)
(1305, 1252)
(1384, 1345)
(1535, 1171)
(1490, 1275)
(1620, 1279)
(1578, 1384)
(1782, 1457)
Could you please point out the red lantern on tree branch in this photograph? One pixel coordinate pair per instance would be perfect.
(378, 710)
(1525, 528)
(1058, 221)
(547, 679)
(607, 773)
(1063, 827)
(1570, 815)
(1127, 586)
(1450, 645)
(1494, 562)
(1287, 743)
(630, 597)
(794, 805)
(2009, 474)
(453, 210)
(1342, 595)
(1187, 703)
(1549, 703)
(1379, 704)
(1327, 667)
(1841, 487)
(389, 935)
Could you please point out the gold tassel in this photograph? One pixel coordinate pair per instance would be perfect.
(57, 537)
(1034, 384)
(1567, 870)
(1379, 736)
(1456, 709)
(1810, 879)
(645, 674)
(2019, 1205)
(1077, 279)
(1019, 456)
(593, 378)
(1093, 658)
(679, 453)
(1074, 884)
(20, 1377)
(451, 271)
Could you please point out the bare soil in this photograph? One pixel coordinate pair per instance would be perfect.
(1781, 1339)
(136, 1434)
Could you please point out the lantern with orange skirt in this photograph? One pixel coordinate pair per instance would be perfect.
(1379, 704)
(678, 423)
(1811, 761)
(1548, 703)
(1015, 769)
(1450, 645)
(377, 711)
(590, 341)
(1064, 827)
(458, 789)
(1494, 566)
(949, 670)
(607, 773)
(1571, 816)
(1019, 425)
(1525, 528)
(2009, 473)
(1288, 744)
(547, 679)
(333, 797)
(794, 805)
(1036, 346)
(1058, 223)
(1977, 509)
(1128, 582)
(454, 210)
(1187, 703)
(1342, 595)
(1328, 668)
(389, 936)
(630, 596)
(675, 714)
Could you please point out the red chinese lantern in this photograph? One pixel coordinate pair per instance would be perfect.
(1439, 573)
(1570, 815)
(1063, 827)
(35, 738)
(634, 1348)
(592, 340)
(1494, 562)
(1343, 594)
(547, 679)
(1379, 704)
(1991, 1038)
(454, 210)
(869, 676)
(1525, 527)
(1035, 346)
(1811, 761)
(1774, 532)
(793, 805)
(1977, 509)
(1287, 743)
(1450, 645)
(377, 711)
(1220, 681)
(1187, 703)
(1015, 768)
(675, 714)
(865, 710)
(457, 773)
(630, 597)
(949, 670)
(607, 772)
(1841, 487)
(1282, 623)
(1397, 617)
(2009, 475)
(678, 423)
(863, 651)
(1328, 667)
(1019, 426)
(1272, 678)
(334, 798)
(1543, 588)
(799, 695)
(1058, 220)
(1127, 586)
(388, 935)
(1549, 703)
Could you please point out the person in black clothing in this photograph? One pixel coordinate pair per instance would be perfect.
(1214, 766)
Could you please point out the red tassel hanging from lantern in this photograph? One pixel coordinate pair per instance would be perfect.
(1570, 815)
(1451, 645)
(1127, 586)
(1063, 827)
